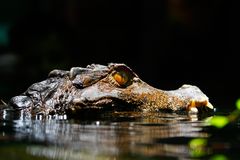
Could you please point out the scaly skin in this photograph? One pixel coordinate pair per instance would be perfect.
(114, 87)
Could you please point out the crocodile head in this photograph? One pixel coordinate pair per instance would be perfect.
(99, 87)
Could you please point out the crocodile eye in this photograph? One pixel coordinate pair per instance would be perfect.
(122, 78)
(121, 75)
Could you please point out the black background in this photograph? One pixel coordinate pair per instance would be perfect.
(167, 42)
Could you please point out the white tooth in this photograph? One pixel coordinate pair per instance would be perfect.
(209, 105)
(193, 110)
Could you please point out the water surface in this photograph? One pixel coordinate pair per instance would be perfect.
(123, 136)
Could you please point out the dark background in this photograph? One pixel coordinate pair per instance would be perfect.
(167, 42)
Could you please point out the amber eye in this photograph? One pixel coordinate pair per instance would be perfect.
(121, 78)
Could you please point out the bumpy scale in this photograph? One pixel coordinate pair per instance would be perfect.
(98, 87)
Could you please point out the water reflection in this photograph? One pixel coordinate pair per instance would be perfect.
(129, 135)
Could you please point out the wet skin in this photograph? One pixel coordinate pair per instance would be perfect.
(97, 87)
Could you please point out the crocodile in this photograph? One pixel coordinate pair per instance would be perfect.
(112, 87)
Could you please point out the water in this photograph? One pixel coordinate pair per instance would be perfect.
(116, 136)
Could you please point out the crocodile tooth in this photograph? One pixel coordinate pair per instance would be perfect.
(209, 105)
(193, 110)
